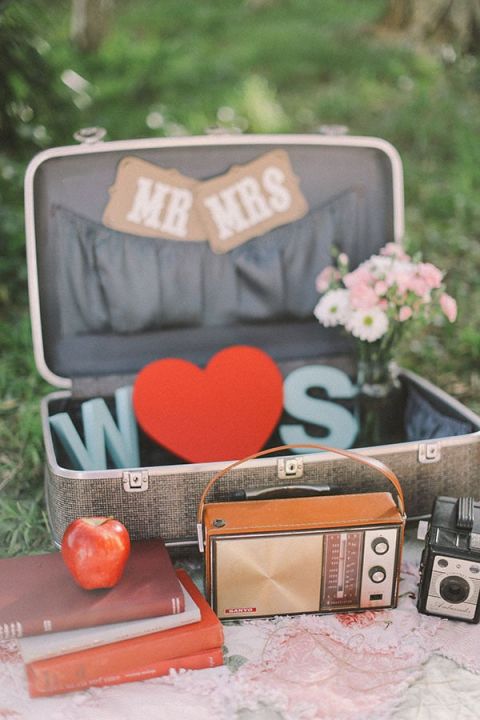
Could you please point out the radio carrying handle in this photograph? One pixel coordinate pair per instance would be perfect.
(363, 459)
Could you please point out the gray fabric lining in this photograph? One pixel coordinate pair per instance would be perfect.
(95, 355)
(111, 282)
(80, 299)
(423, 420)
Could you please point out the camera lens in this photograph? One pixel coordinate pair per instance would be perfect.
(454, 589)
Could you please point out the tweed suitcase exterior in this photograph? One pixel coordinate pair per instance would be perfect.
(79, 353)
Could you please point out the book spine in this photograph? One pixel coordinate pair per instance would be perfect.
(50, 647)
(31, 626)
(11, 630)
(44, 682)
(117, 658)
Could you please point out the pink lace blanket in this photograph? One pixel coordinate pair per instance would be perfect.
(389, 664)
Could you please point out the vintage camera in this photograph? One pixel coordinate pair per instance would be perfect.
(450, 567)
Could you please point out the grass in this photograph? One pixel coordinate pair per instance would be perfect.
(279, 66)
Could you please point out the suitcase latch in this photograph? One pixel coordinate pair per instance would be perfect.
(428, 452)
(136, 481)
(290, 468)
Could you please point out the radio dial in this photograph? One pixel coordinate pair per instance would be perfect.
(377, 574)
(380, 546)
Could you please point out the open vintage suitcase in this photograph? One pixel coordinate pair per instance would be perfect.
(87, 344)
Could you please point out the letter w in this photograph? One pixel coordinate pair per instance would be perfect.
(101, 434)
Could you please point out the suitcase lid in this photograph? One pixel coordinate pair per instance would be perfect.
(81, 304)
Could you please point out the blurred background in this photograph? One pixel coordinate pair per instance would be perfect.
(404, 70)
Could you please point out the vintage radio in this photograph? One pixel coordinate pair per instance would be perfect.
(313, 554)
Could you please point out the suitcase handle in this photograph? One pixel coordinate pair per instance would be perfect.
(363, 459)
(275, 492)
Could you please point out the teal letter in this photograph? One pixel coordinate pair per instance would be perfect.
(341, 425)
(101, 434)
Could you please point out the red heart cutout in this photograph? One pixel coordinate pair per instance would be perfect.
(226, 411)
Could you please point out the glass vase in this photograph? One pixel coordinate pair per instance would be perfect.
(379, 406)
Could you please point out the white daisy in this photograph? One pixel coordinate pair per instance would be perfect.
(333, 308)
(368, 325)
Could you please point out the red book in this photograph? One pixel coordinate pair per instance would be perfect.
(190, 646)
(42, 686)
(38, 594)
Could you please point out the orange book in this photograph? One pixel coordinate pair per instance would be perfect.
(45, 684)
(135, 658)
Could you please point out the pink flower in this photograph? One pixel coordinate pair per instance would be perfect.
(381, 287)
(449, 307)
(362, 297)
(405, 313)
(323, 280)
(431, 274)
(390, 287)
(360, 276)
(401, 280)
(419, 286)
(394, 250)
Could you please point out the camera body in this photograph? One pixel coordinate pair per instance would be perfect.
(450, 567)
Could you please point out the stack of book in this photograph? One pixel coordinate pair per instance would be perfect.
(154, 620)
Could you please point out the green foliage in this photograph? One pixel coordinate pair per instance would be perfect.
(29, 82)
(34, 112)
(22, 516)
(24, 526)
(173, 67)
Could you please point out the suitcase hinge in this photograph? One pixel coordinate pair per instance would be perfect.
(290, 468)
(428, 452)
(333, 130)
(90, 135)
(135, 481)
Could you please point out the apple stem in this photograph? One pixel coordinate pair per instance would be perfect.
(98, 521)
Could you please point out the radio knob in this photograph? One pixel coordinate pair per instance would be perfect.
(377, 574)
(380, 546)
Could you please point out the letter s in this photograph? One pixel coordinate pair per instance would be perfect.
(280, 198)
(340, 423)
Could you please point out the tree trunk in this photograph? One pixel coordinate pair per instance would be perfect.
(447, 21)
(89, 23)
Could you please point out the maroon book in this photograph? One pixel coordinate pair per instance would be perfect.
(38, 594)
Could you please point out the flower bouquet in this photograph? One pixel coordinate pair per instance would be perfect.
(375, 303)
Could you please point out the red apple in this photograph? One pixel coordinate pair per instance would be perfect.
(96, 550)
